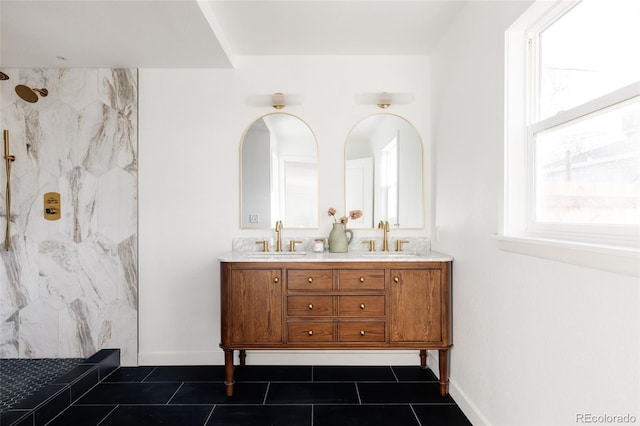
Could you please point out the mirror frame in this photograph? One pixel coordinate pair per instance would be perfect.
(422, 171)
(317, 153)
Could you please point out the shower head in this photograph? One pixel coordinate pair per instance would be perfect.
(28, 94)
(3, 76)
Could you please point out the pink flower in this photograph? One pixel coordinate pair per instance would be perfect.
(353, 214)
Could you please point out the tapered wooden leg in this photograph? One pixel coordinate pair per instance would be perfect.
(243, 357)
(228, 371)
(423, 358)
(444, 371)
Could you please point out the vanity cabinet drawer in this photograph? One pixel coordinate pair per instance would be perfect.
(310, 305)
(311, 332)
(354, 279)
(310, 279)
(361, 305)
(361, 331)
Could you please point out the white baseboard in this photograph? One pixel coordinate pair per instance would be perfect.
(460, 397)
(181, 358)
(288, 357)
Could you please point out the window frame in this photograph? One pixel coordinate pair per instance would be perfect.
(521, 125)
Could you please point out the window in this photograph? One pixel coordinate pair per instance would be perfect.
(573, 123)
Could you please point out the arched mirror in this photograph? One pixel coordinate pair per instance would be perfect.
(383, 173)
(279, 173)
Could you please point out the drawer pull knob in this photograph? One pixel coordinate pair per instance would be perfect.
(362, 306)
(396, 279)
(361, 279)
(362, 333)
(310, 332)
(276, 280)
(310, 306)
(309, 280)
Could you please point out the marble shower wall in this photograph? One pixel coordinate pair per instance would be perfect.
(69, 287)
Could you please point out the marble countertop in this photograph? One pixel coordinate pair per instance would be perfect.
(352, 256)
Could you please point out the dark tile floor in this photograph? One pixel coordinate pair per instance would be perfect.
(20, 378)
(266, 395)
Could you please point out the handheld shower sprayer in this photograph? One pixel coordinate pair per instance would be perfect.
(8, 158)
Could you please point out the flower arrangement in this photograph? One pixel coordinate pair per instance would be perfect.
(353, 214)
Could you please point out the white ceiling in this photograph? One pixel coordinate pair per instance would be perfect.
(201, 33)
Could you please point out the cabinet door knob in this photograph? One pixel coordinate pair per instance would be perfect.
(362, 306)
(276, 280)
(310, 280)
(310, 306)
(362, 333)
(310, 332)
(361, 279)
(396, 279)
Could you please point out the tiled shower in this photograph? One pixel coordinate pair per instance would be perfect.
(69, 287)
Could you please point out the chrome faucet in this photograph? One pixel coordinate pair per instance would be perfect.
(279, 235)
(384, 225)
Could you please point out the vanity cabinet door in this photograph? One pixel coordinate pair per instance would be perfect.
(416, 312)
(256, 305)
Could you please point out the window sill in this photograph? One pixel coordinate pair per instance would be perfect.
(624, 261)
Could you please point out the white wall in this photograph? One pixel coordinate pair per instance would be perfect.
(191, 124)
(537, 342)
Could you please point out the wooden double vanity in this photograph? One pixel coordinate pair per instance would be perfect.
(329, 301)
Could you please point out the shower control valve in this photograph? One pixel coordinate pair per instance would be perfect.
(52, 206)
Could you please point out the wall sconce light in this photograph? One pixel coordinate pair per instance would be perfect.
(277, 100)
(384, 99)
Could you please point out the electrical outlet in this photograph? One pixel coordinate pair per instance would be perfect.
(254, 218)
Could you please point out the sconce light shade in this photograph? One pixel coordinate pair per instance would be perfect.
(384, 101)
(277, 100)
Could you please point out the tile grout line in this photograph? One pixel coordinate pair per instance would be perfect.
(108, 414)
(415, 415)
(210, 414)
(174, 394)
(394, 374)
(147, 376)
(264, 401)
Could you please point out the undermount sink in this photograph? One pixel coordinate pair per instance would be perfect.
(277, 254)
